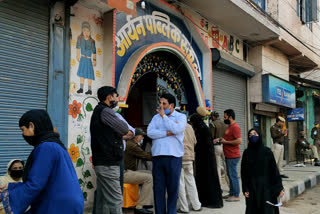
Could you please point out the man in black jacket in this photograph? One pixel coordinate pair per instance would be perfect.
(107, 131)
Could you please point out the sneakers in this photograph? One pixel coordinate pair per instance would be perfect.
(80, 91)
(142, 211)
(284, 176)
(89, 92)
(198, 210)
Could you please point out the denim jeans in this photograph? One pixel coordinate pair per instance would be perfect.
(232, 173)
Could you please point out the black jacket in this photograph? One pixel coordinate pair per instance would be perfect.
(106, 144)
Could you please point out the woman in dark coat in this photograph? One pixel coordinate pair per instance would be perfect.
(261, 181)
(207, 179)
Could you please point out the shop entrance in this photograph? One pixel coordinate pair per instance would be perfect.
(158, 72)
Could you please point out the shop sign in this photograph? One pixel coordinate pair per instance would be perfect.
(150, 26)
(296, 114)
(278, 91)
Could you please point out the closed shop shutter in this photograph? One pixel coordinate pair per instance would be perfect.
(230, 92)
(24, 30)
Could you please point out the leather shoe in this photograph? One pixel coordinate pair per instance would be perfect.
(142, 211)
(284, 176)
(180, 211)
(148, 206)
(226, 196)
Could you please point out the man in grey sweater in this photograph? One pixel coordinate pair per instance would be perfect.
(107, 131)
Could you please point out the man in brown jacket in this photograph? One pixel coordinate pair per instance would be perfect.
(132, 154)
(217, 128)
(278, 134)
(187, 181)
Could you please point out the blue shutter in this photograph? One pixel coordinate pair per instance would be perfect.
(311, 11)
(24, 31)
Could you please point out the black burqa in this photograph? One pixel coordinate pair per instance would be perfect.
(260, 177)
(43, 132)
(207, 179)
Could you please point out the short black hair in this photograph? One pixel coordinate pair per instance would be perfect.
(171, 99)
(230, 113)
(104, 91)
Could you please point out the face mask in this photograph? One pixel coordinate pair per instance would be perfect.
(253, 139)
(113, 104)
(140, 143)
(227, 121)
(115, 109)
(167, 111)
(30, 139)
(16, 173)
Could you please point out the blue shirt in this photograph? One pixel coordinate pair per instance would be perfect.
(130, 128)
(157, 131)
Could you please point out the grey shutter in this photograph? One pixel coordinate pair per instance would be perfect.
(230, 92)
(24, 30)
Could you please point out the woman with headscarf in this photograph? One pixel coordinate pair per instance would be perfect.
(207, 179)
(14, 175)
(50, 184)
(261, 181)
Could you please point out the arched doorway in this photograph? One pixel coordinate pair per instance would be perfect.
(156, 73)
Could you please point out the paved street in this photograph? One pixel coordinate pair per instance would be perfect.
(306, 203)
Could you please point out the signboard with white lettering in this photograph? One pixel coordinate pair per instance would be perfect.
(153, 26)
(296, 114)
(278, 91)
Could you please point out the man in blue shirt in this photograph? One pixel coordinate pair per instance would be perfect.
(166, 130)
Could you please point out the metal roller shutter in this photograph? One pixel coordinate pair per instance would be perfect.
(24, 30)
(230, 91)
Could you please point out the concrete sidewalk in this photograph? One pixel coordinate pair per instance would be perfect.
(300, 179)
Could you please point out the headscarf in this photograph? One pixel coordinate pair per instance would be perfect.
(196, 121)
(43, 131)
(254, 149)
(256, 145)
(12, 162)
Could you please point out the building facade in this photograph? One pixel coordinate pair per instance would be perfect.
(251, 56)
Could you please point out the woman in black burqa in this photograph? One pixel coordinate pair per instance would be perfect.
(207, 179)
(260, 177)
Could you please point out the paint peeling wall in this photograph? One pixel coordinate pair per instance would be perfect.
(81, 104)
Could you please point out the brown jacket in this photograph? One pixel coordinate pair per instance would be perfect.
(276, 134)
(217, 128)
(189, 142)
(132, 154)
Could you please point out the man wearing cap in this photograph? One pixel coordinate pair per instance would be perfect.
(166, 130)
(132, 154)
(315, 135)
(311, 150)
(202, 111)
(217, 128)
(278, 134)
(107, 131)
